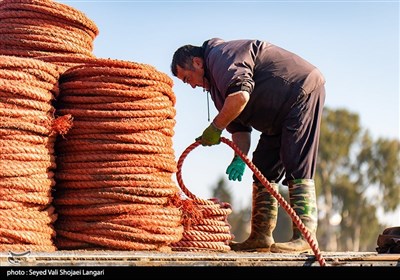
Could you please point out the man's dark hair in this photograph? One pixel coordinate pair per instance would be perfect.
(183, 57)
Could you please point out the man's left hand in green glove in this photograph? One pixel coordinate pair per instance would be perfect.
(211, 136)
(236, 169)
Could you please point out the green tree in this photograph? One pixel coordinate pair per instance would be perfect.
(351, 170)
(339, 130)
(382, 162)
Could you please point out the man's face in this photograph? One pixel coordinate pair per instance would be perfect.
(195, 76)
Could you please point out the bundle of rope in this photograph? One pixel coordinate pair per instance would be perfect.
(66, 61)
(206, 227)
(114, 167)
(27, 136)
(33, 28)
(205, 221)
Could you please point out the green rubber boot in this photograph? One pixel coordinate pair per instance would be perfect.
(303, 201)
(264, 215)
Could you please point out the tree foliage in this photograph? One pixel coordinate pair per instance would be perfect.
(355, 176)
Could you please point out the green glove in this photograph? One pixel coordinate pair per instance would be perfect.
(211, 136)
(236, 169)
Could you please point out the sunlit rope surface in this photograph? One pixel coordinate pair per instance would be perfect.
(28, 128)
(27, 137)
(33, 28)
(206, 220)
(114, 187)
(115, 165)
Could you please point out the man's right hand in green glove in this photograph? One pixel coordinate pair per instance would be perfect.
(211, 136)
(235, 170)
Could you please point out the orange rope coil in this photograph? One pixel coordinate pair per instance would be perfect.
(26, 155)
(28, 127)
(115, 159)
(206, 221)
(33, 28)
(114, 168)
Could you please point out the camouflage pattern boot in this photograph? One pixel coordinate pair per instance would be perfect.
(264, 215)
(303, 201)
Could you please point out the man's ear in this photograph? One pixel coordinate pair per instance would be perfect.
(197, 62)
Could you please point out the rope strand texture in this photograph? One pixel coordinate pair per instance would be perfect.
(114, 166)
(28, 126)
(33, 28)
(27, 137)
(206, 221)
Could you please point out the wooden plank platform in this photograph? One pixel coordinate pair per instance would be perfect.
(231, 259)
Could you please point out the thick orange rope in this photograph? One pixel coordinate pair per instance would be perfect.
(115, 159)
(28, 126)
(26, 154)
(32, 28)
(116, 162)
(206, 221)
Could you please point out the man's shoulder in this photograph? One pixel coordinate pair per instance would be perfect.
(214, 41)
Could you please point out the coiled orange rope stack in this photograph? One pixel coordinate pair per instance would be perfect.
(36, 28)
(26, 153)
(206, 226)
(206, 221)
(114, 187)
(29, 29)
(115, 165)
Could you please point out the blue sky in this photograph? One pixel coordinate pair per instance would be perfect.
(354, 43)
